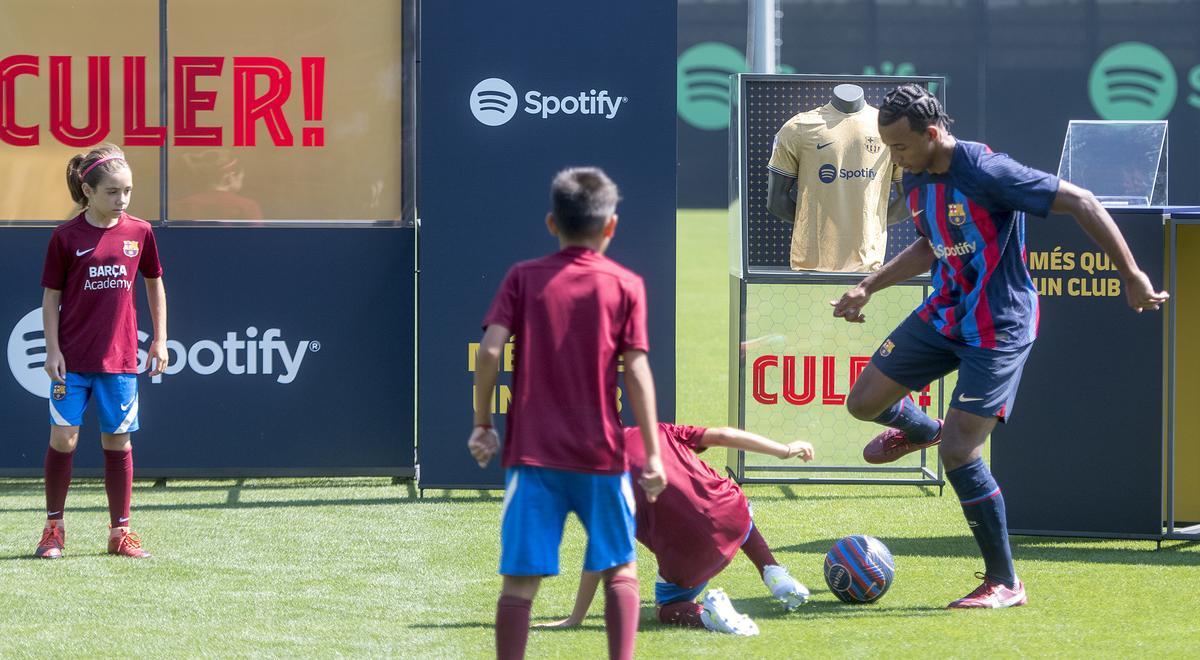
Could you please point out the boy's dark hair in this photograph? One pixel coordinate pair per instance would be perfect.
(582, 199)
(915, 102)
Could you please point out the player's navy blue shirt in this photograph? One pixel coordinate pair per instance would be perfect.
(973, 216)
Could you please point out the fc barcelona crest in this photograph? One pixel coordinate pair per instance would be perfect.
(130, 248)
(957, 214)
(59, 391)
(873, 145)
(887, 348)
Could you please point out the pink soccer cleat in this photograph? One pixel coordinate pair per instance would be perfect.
(991, 595)
(54, 537)
(125, 543)
(893, 444)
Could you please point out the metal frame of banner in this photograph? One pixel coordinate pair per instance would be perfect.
(930, 471)
(1170, 532)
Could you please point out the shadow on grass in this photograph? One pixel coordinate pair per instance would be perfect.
(1054, 549)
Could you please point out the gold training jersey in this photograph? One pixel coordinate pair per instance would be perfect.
(843, 175)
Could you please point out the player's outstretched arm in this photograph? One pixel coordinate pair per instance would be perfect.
(55, 365)
(156, 295)
(915, 260)
(588, 582)
(483, 442)
(640, 383)
(747, 441)
(1098, 224)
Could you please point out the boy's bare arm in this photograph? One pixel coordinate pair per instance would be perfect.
(55, 365)
(745, 440)
(483, 441)
(156, 294)
(588, 582)
(640, 383)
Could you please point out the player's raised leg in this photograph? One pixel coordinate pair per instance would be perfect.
(877, 398)
(983, 506)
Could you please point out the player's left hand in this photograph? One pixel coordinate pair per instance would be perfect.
(563, 623)
(1140, 293)
(483, 444)
(158, 357)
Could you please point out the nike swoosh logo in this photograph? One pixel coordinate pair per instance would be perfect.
(80, 253)
(822, 146)
(968, 399)
(125, 406)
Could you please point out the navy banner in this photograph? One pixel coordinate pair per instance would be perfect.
(1083, 451)
(291, 354)
(509, 97)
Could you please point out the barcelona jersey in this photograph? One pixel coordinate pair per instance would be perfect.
(973, 216)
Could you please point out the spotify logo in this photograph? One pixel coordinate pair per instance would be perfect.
(1133, 80)
(827, 173)
(702, 83)
(493, 101)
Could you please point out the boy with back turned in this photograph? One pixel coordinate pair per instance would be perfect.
(573, 314)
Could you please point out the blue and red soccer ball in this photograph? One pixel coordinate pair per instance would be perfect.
(859, 569)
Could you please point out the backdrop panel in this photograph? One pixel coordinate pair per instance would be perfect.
(292, 353)
(1083, 451)
(509, 97)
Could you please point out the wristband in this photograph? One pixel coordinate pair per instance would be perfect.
(483, 426)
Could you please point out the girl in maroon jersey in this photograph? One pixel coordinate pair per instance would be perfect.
(91, 337)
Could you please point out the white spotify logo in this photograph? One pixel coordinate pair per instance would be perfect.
(493, 101)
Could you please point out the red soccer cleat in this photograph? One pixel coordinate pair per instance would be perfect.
(54, 537)
(892, 445)
(123, 542)
(991, 595)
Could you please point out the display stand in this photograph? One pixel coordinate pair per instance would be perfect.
(791, 363)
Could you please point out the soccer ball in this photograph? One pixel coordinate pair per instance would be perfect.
(859, 569)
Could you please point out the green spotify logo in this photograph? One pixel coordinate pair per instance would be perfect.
(1133, 80)
(702, 83)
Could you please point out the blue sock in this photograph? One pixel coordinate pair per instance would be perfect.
(908, 417)
(983, 506)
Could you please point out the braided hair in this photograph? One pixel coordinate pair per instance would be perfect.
(915, 102)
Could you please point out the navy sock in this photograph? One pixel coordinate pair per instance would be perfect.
(983, 506)
(908, 417)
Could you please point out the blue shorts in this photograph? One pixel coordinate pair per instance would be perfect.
(666, 593)
(116, 397)
(536, 504)
(915, 355)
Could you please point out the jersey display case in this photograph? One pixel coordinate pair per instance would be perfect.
(791, 363)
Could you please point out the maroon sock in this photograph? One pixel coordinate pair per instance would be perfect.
(118, 483)
(684, 613)
(58, 480)
(757, 550)
(622, 603)
(512, 627)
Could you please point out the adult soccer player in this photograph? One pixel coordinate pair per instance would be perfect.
(969, 206)
(695, 529)
(91, 337)
(573, 314)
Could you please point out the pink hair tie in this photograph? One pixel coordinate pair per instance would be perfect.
(93, 165)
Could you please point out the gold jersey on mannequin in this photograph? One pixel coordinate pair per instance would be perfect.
(843, 176)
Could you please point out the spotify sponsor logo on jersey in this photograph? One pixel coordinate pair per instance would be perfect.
(246, 353)
(956, 250)
(494, 103)
(828, 173)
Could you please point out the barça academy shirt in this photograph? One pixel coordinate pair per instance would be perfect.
(573, 313)
(95, 269)
(696, 526)
(843, 176)
(973, 216)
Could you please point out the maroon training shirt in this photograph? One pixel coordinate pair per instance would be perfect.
(95, 268)
(697, 524)
(572, 313)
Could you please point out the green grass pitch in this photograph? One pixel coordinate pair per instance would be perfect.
(361, 567)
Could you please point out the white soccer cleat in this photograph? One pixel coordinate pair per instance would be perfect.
(784, 587)
(719, 616)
